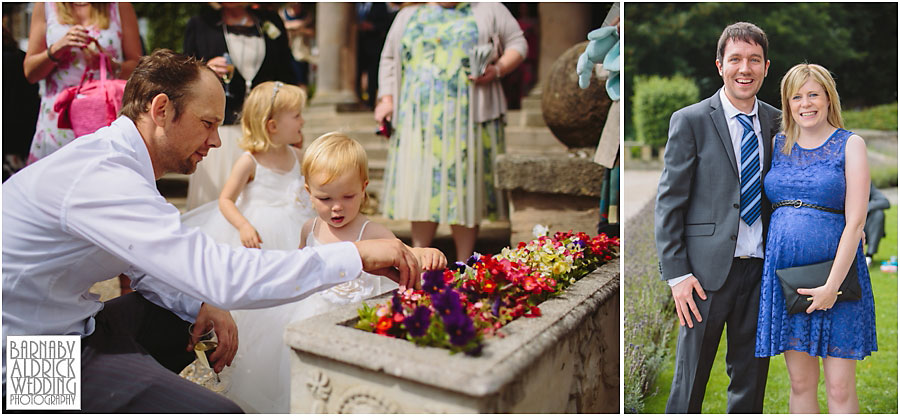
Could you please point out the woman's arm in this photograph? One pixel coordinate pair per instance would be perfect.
(237, 180)
(856, 199)
(131, 40)
(38, 61)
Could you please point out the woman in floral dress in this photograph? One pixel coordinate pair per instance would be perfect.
(448, 121)
(60, 47)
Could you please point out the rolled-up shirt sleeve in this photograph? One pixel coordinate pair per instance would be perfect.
(128, 218)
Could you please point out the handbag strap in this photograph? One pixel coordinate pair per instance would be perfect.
(103, 67)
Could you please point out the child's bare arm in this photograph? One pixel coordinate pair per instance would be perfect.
(240, 175)
(429, 258)
(304, 231)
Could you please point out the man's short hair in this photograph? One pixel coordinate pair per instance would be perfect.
(743, 31)
(162, 72)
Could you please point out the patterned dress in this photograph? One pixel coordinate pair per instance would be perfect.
(48, 138)
(440, 162)
(801, 236)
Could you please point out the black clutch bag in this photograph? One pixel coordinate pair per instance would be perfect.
(812, 276)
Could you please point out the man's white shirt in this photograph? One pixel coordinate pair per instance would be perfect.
(91, 211)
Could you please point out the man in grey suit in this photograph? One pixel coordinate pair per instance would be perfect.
(711, 217)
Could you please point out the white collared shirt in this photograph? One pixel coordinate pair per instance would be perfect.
(749, 238)
(91, 211)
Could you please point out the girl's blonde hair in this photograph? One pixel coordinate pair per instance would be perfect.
(264, 101)
(335, 154)
(99, 16)
(791, 83)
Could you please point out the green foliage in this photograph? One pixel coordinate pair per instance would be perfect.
(857, 42)
(648, 313)
(655, 99)
(876, 376)
(884, 176)
(880, 117)
(167, 22)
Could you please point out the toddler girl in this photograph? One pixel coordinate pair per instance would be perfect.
(336, 171)
(263, 202)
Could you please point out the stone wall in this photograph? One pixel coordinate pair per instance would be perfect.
(567, 360)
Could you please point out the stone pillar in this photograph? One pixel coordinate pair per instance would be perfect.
(336, 38)
(562, 25)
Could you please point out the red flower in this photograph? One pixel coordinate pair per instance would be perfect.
(384, 324)
(533, 313)
(489, 286)
(398, 317)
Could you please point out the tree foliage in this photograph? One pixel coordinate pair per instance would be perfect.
(857, 42)
(655, 99)
(166, 23)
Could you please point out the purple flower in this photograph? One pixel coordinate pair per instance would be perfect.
(396, 303)
(580, 243)
(495, 307)
(418, 323)
(458, 266)
(471, 261)
(433, 281)
(460, 328)
(446, 303)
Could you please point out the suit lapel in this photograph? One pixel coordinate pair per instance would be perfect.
(718, 118)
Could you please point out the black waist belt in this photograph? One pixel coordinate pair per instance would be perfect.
(796, 203)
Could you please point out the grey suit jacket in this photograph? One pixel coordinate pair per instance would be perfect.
(698, 202)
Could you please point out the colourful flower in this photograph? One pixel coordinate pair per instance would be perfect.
(384, 324)
(418, 323)
(433, 281)
(460, 328)
(396, 303)
(446, 303)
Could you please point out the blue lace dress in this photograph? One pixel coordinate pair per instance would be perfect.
(801, 236)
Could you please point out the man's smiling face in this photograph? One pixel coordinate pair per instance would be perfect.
(743, 71)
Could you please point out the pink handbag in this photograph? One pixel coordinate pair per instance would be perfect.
(90, 105)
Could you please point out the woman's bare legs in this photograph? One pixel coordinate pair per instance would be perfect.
(464, 239)
(840, 385)
(803, 371)
(423, 233)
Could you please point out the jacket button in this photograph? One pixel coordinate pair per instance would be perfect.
(737, 206)
(734, 238)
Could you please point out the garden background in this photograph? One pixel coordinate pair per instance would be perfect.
(670, 63)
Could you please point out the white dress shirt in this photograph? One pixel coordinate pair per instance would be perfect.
(749, 238)
(91, 211)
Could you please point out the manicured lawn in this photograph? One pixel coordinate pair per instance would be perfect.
(876, 375)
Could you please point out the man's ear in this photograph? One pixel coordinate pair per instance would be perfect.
(719, 67)
(766, 73)
(160, 109)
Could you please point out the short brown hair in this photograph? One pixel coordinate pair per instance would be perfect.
(162, 72)
(747, 32)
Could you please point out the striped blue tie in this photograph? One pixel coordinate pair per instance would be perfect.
(751, 186)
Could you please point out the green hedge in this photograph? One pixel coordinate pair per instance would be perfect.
(166, 23)
(879, 117)
(655, 99)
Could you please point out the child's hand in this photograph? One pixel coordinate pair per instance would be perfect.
(430, 258)
(249, 236)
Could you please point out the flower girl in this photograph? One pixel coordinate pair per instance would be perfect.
(336, 171)
(263, 202)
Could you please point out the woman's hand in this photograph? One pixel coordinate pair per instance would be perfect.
(823, 298)
(249, 236)
(76, 37)
(384, 110)
(217, 64)
(491, 73)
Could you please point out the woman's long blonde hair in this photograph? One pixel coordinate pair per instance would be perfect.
(790, 84)
(263, 102)
(99, 14)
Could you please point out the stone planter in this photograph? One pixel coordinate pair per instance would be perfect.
(564, 361)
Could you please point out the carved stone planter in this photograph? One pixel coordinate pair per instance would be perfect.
(564, 361)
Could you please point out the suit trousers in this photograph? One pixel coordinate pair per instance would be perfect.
(735, 305)
(130, 363)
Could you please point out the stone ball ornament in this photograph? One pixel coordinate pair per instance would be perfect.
(574, 115)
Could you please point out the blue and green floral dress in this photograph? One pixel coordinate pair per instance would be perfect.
(440, 162)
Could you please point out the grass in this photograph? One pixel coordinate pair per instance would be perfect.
(876, 375)
(879, 117)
